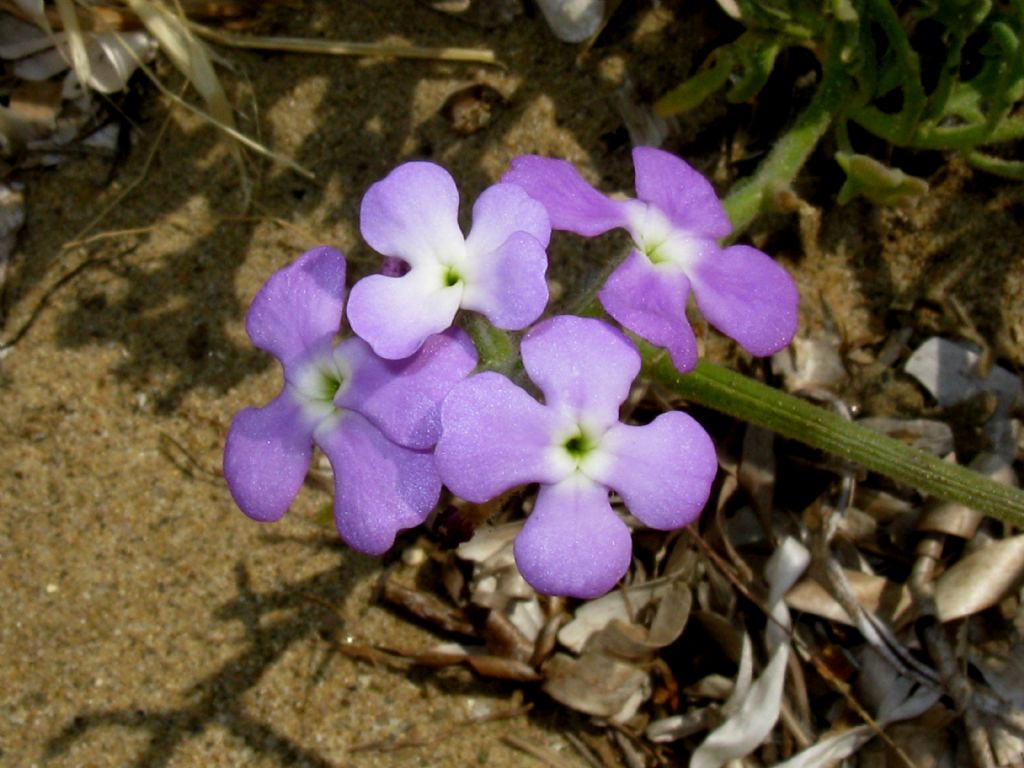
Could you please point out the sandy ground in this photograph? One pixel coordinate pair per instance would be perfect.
(145, 620)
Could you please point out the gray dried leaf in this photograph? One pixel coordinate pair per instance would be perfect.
(715, 687)
(891, 696)
(981, 579)
(573, 21)
(753, 720)
(1004, 672)
(41, 65)
(754, 707)
(830, 749)
(947, 369)
(678, 726)
(20, 38)
(113, 58)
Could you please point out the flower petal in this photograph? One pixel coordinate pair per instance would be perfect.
(583, 366)
(494, 437)
(266, 457)
(299, 308)
(403, 398)
(502, 210)
(651, 302)
(413, 214)
(748, 297)
(680, 191)
(573, 544)
(507, 284)
(395, 315)
(380, 488)
(663, 471)
(572, 204)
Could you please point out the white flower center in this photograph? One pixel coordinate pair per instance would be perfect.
(318, 383)
(577, 450)
(659, 240)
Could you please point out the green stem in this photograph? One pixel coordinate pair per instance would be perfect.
(998, 166)
(744, 398)
(497, 349)
(782, 164)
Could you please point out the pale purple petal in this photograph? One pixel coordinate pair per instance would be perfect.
(748, 297)
(413, 214)
(572, 204)
(663, 471)
(508, 285)
(680, 192)
(583, 366)
(500, 211)
(380, 488)
(403, 398)
(494, 437)
(395, 315)
(266, 457)
(573, 544)
(651, 302)
(298, 309)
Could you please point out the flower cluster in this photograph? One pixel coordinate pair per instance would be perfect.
(398, 411)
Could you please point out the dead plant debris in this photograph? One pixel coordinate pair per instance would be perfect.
(818, 616)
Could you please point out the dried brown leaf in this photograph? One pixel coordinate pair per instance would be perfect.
(425, 607)
(596, 684)
(980, 580)
(504, 639)
(594, 615)
(502, 669)
(876, 594)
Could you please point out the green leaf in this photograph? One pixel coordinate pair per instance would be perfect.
(879, 183)
(692, 93)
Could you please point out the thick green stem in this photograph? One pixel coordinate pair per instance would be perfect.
(744, 398)
(782, 164)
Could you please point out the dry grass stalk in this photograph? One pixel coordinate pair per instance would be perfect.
(340, 48)
(190, 57)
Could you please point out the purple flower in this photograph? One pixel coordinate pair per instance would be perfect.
(675, 223)
(495, 437)
(498, 269)
(374, 419)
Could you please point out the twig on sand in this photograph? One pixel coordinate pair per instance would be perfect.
(416, 741)
(543, 754)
